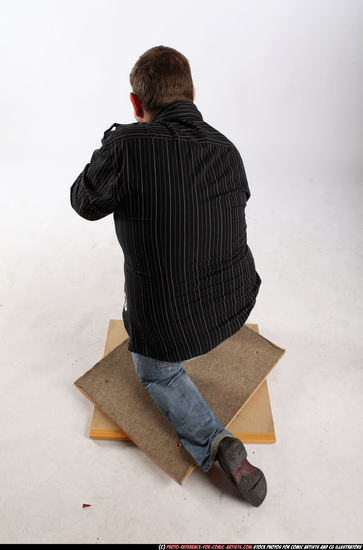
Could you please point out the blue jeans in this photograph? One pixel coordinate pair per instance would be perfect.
(178, 398)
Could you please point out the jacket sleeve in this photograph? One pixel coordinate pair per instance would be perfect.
(96, 191)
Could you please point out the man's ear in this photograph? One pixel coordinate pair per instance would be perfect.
(139, 112)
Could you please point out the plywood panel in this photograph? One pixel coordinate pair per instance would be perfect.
(226, 385)
(254, 423)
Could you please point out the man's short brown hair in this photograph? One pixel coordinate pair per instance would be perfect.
(160, 76)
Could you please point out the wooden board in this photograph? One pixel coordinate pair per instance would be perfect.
(254, 423)
(227, 377)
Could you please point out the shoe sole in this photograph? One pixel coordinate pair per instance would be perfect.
(230, 459)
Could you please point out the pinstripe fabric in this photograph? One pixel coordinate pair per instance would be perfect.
(177, 189)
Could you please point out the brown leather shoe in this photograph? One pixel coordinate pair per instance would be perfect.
(249, 480)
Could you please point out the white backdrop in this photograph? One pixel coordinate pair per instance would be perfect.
(283, 80)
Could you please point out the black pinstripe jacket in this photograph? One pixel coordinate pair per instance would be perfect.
(177, 189)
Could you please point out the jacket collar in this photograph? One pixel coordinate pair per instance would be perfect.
(184, 110)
